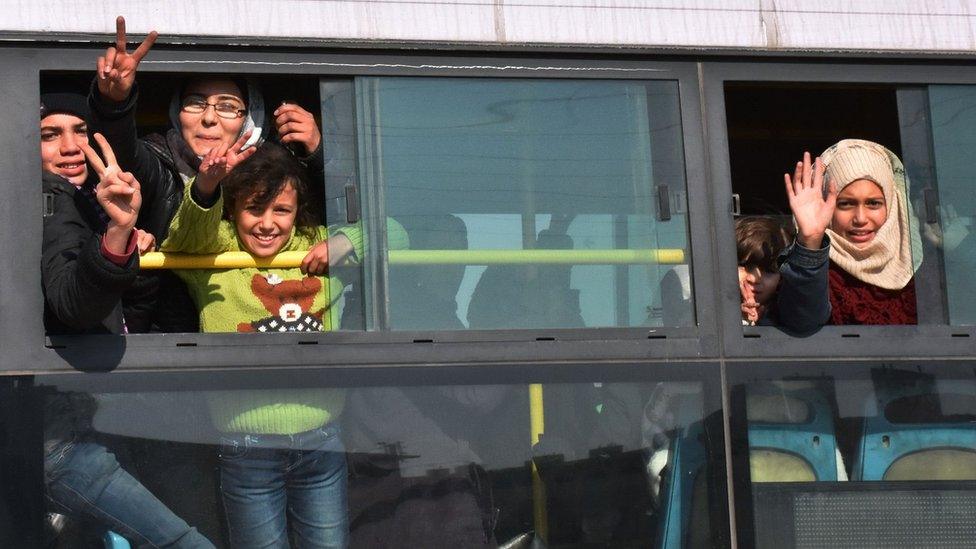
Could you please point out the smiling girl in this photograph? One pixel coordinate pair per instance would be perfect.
(875, 246)
(282, 461)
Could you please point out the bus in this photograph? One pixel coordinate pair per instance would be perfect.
(558, 357)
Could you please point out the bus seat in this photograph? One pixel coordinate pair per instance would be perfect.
(683, 512)
(917, 433)
(677, 308)
(425, 297)
(791, 434)
(115, 541)
(683, 488)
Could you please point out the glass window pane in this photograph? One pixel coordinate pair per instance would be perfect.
(585, 464)
(526, 203)
(954, 142)
(868, 456)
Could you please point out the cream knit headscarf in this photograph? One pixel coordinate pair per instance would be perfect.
(890, 260)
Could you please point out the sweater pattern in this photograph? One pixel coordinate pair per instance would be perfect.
(288, 301)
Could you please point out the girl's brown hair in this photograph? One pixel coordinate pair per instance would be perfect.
(759, 241)
(260, 178)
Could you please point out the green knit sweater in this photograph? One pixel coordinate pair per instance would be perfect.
(262, 300)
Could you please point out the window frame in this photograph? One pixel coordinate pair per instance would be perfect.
(29, 350)
(830, 342)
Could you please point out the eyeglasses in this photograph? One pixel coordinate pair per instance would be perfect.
(224, 109)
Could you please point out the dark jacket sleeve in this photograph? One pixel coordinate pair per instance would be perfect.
(81, 287)
(117, 122)
(802, 302)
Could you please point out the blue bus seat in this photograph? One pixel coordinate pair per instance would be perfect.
(911, 431)
(791, 434)
(115, 541)
(682, 486)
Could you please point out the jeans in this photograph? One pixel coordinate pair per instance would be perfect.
(268, 481)
(83, 479)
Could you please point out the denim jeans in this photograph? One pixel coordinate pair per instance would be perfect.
(269, 481)
(85, 480)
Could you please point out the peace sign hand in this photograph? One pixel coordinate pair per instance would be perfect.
(811, 210)
(219, 162)
(117, 68)
(118, 192)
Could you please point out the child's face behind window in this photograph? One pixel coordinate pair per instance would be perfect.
(264, 230)
(763, 282)
(61, 138)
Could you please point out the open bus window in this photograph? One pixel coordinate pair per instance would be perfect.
(527, 203)
(870, 454)
(611, 464)
(770, 125)
(92, 281)
(480, 203)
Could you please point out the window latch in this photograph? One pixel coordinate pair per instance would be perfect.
(931, 199)
(663, 203)
(736, 204)
(352, 203)
(48, 205)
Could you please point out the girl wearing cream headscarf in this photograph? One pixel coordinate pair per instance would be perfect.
(875, 248)
(875, 244)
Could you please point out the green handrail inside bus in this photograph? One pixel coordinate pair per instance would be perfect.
(236, 260)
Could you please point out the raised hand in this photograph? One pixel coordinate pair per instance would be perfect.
(117, 192)
(219, 162)
(296, 125)
(811, 210)
(117, 68)
(950, 231)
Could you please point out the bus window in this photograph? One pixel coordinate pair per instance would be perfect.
(924, 128)
(868, 452)
(953, 144)
(528, 203)
(612, 464)
(164, 159)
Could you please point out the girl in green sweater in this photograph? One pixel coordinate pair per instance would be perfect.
(281, 448)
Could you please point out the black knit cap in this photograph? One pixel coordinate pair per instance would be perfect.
(62, 101)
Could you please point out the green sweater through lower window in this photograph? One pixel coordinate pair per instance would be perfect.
(263, 300)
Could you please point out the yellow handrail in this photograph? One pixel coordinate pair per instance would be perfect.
(236, 260)
(537, 423)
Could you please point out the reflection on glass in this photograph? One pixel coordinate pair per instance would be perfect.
(868, 456)
(953, 144)
(615, 464)
(529, 203)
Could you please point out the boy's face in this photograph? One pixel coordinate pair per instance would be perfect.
(265, 230)
(61, 154)
(764, 283)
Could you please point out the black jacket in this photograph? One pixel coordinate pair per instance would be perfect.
(83, 290)
(155, 166)
(163, 302)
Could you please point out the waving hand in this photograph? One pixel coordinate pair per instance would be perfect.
(219, 162)
(811, 210)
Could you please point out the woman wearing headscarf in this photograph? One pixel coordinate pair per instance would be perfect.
(206, 112)
(873, 237)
